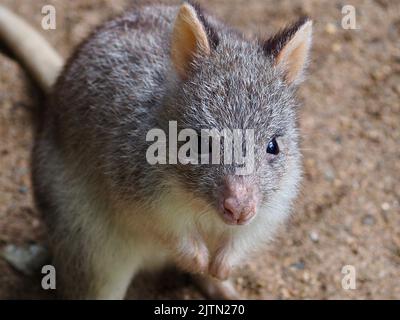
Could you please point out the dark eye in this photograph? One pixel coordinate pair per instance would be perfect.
(273, 147)
(199, 143)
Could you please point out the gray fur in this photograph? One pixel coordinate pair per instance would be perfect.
(89, 160)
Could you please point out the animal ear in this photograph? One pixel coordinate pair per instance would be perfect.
(290, 49)
(189, 39)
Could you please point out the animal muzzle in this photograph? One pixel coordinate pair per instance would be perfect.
(238, 202)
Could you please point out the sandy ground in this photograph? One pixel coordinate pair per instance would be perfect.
(349, 209)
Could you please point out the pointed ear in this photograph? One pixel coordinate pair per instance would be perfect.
(189, 38)
(290, 49)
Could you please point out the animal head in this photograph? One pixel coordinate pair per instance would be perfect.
(224, 81)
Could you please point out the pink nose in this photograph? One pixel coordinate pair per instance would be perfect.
(236, 212)
(238, 204)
